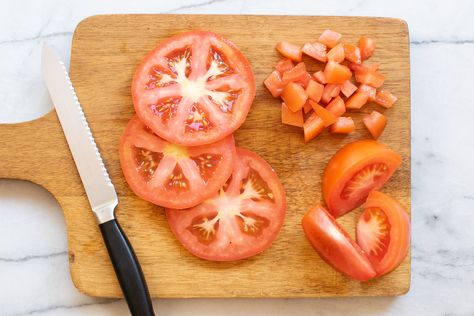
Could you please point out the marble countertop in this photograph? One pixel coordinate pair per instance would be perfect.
(34, 275)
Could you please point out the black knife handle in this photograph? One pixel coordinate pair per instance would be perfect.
(127, 269)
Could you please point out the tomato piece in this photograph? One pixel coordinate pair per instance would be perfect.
(367, 47)
(289, 117)
(290, 50)
(315, 50)
(297, 74)
(284, 65)
(194, 88)
(330, 91)
(307, 107)
(371, 78)
(336, 106)
(363, 67)
(336, 53)
(385, 98)
(352, 53)
(171, 175)
(370, 91)
(312, 127)
(357, 100)
(336, 73)
(241, 220)
(326, 116)
(348, 88)
(375, 122)
(274, 83)
(294, 96)
(314, 90)
(335, 246)
(343, 125)
(383, 232)
(330, 38)
(354, 171)
(319, 76)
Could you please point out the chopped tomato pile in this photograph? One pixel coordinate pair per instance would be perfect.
(345, 77)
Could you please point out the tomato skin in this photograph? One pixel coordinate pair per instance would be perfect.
(335, 246)
(289, 117)
(399, 232)
(343, 125)
(375, 122)
(367, 47)
(289, 50)
(346, 163)
(294, 96)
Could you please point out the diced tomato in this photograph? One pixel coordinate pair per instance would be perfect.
(352, 53)
(289, 117)
(315, 50)
(284, 65)
(367, 47)
(348, 88)
(274, 84)
(314, 90)
(330, 38)
(372, 78)
(307, 107)
(330, 91)
(370, 91)
(294, 96)
(320, 77)
(312, 127)
(375, 123)
(290, 50)
(337, 106)
(297, 74)
(343, 125)
(327, 116)
(363, 67)
(336, 53)
(357, 100)
(336, 73)
(385, 98)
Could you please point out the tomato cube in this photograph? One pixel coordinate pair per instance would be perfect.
(274, 83)
(336, 106)
(312, 127)
(336, 73)
(357, 100)
(294, 96)
(352, 53)
(367, 47)
(319, 76)
(314, 90)
(343, 125)
(290, 50)
(330, 38)
(375, 122)
(336, 53)
(289, 117)
(327, 116)
(348, 88)
(385, 98)
(284, 65)
(315, 50)
(370, 91)
(371, 78)
(330, 91)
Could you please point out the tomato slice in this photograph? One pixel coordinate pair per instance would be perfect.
(336, 53)
(241, 220)
(383, 232)
(367, 47)
(385, 98)
(337, 106)
(284, 65)
(375, 122)
(173, 175)
(327, 116)
(348, 88)
(289, 117)
(357, 100)
(354, 171)
(343, 125)
(294, 96)
(335, 246)
(289, 50)
(194, 88)
(352, 53)
(336, 73)
(314, 90)
(330, 38)
(315, 50)
(312, 127)
(274, 83)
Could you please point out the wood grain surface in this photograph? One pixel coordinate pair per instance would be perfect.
(105, 52)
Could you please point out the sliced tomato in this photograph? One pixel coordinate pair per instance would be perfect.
(348, 88)
(297, 74)
(385, 98)
(336, 106)
(315, 50)
(330, 91)
(354, 171)
(314, 90)
(274, 83)
(289, 117)
(294, 96)
(383, 232)
(312, 127)
(284, 65)
(375, 122)
(171, 175)
(335, 246)
(370, 91)
(367, 47)
(336, 73)
(357, 100)
(369, 77)
(326, 116)
(240, 220)
(343, 125)
(319, 76)
(290, 50)
(330, 38)
(194, 88)
(336, 53)
(352, 53)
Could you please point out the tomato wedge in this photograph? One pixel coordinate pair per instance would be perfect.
(375, 122)
(241, 220)
(354, 171)
(335, 246)
(194, 88)
(172, 175)
(383, 232)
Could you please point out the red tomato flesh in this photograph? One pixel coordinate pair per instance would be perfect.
(371, 78)
(385, 98)
(330, 38)
(315, 50)
(330, 91)
(343, 125)
(370, 91)
(312, 127)
(274, 84)
(284, 65)
(289, 117)
(375, 122)
(367, 47)
(314, 90)
(319, 76)
(336, 106)
(336, 73)
(357, 100)
(294, 96)
(352, 53)
(289, 50)
(348, 88)
(336, 53)
(326, 116)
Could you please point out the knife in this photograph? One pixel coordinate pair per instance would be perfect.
(97, 184)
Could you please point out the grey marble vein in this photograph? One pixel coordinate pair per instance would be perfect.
(34, 257)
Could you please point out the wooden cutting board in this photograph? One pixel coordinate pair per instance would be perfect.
(105, 52)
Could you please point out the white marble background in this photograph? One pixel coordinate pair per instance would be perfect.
(34, 276)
